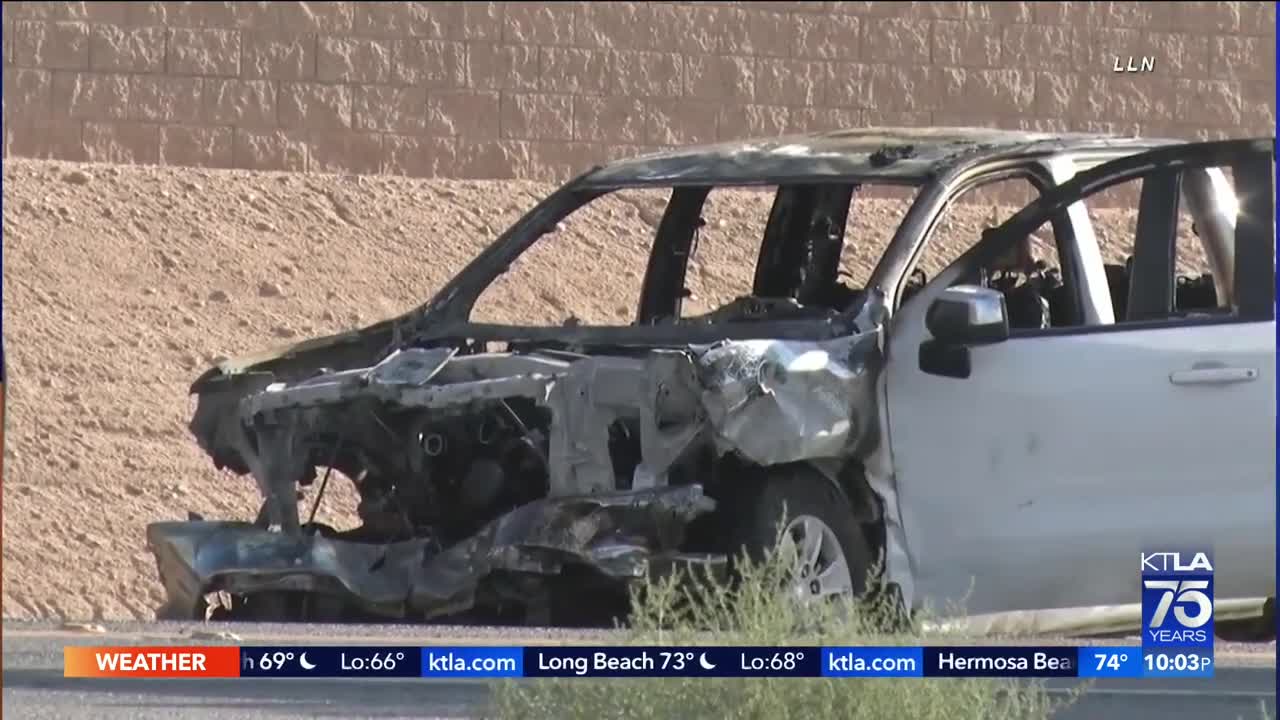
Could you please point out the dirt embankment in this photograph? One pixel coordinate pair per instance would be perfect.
(121, 284)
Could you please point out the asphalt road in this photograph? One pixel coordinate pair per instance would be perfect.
(33, 685)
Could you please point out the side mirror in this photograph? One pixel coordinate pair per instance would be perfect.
(968, 315)
(962, 317)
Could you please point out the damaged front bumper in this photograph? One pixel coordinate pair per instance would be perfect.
(623, 536)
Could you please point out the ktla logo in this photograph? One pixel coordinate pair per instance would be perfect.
(1177, 599)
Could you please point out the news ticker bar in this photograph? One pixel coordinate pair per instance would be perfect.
(317, 661)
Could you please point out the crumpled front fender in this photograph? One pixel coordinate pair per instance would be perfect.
(618, 534)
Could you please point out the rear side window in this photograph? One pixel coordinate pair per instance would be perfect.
(1187, 232)
(1200, 277)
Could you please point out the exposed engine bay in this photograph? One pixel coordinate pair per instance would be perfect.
(483, 474)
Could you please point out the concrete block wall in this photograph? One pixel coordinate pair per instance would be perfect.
(542, 90)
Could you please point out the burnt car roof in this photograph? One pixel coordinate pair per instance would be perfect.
(886, 154)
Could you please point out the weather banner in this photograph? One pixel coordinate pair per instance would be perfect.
(313, 661)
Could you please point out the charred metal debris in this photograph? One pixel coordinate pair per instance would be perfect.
(470, 466)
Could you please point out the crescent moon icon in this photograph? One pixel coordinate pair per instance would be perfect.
(702, 660)
(302, 660)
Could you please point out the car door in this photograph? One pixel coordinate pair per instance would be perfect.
(1036, 481)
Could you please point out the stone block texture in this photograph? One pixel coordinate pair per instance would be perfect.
(543, 90)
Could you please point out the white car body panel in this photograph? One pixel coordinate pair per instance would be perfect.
(1085, 455)
(1036, 482)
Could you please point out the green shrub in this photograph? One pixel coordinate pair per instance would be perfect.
(684, 610)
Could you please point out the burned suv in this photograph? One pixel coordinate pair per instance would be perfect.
(997, 421)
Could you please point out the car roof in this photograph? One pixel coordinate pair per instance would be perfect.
(884, 154)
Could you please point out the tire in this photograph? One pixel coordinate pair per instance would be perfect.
(797, 492)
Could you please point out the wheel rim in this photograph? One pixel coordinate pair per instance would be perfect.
(820, 568)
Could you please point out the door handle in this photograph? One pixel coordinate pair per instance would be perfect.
(1213, 375)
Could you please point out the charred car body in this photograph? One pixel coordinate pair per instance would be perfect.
(499, 464)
